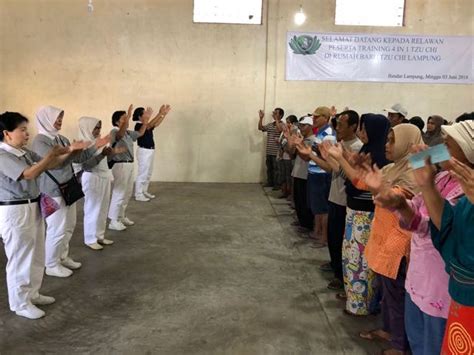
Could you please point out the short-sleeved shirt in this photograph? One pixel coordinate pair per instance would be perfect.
(337, 194)
(325, 133)
(13, 162)
(272, 138)
(300, 169)
(42, 144)
(127, 142)
(146, 141)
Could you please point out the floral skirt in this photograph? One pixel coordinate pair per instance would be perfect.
(360, 283)
(459, 335)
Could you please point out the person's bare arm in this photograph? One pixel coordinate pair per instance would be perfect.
(123, 125)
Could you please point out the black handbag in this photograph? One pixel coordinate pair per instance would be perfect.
(70, 190)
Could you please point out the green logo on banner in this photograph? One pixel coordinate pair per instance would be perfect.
(305, 44)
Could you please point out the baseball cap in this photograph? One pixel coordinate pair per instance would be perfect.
(463, 134)
(397, 108)
(322, 111)
(307, 120)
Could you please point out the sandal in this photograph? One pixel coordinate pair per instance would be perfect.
(376, 334)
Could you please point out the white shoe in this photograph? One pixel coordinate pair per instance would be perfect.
(142, 198)
(71, 264)
(117, 226)
(95, 246)
(31, 312)
(42, 300)
(58, 271)
(127, 221)
(149, 195)
(106, 241)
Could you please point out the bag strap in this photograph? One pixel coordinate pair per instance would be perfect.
(52, 177)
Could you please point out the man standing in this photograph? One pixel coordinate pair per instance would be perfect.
(273, 133)
(396, 115)
(319, 181)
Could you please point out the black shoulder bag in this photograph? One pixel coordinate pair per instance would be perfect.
(71, 190)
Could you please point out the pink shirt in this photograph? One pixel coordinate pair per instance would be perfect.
(427, 280)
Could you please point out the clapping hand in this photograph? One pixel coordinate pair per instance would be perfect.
(77, 146)
(424, 176)
(103, 141)
(59, 150)
(373, 177)
(465, 176)
(336, 151)
(303, 149)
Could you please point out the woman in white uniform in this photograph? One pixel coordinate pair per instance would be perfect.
(96, 184)
(61, 224)
(122, 166)
(146, 152)
(21, 223)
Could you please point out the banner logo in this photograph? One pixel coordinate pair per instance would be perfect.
(304, 44)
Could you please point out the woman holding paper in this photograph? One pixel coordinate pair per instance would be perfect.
(427, 300)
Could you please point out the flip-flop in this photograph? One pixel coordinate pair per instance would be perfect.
(372, 335)
(318, 245)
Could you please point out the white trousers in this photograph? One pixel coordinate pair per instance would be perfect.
(59, 229)
(96, 204)
(22, 229)
(145, 160)
(122, 189)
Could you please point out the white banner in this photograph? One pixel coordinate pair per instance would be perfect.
(379, 58)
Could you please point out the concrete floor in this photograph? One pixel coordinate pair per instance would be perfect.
(208, 269)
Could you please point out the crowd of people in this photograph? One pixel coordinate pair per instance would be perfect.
(400, 239)
(40, 187)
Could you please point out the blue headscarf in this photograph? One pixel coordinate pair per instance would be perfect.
(377, 128)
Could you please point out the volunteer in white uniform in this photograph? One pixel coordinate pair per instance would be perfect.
(146, 152)
(122, 166)
(21, 223)
(96, 184)
(60, 225)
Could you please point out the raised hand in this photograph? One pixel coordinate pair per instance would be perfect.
(146, 115)
(164, 110)
(425, 176)
(333, 111)
(129, 112)
(373, 177)
(103, 141)
(261, 114)
(465, 176)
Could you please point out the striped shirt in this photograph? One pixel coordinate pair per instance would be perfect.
(272, 138)
(325, 133)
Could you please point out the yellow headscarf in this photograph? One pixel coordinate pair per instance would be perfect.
(399, 172)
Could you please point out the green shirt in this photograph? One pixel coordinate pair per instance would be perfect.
(455, 242)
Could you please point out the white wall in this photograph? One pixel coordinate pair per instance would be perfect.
(216, 77)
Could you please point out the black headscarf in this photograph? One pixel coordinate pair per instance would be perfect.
(377, 128)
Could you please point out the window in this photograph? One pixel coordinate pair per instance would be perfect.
(228, 11)
(370, 12)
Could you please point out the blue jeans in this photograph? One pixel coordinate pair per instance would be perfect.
(425, 333)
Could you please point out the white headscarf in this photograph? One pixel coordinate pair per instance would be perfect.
(86, 126)
(45, 119)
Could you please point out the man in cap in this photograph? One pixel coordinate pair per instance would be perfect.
(396, 114)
